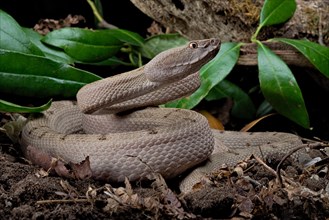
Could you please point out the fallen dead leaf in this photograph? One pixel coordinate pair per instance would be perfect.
(81, 170)
(71, 170)
(41, 173)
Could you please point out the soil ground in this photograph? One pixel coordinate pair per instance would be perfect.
(250, 191)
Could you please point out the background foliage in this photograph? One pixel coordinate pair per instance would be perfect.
(43, 66)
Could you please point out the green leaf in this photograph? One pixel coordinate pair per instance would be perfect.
(280, 88)
(243, 107)
(211, 74)
(35, 76)
(49, 52)
(113, 62)
(85, 45)
(38, 86)
(12, 37)
(156, 44)
(277, 11)
(317, 54)
(129, 37)
(11, 107)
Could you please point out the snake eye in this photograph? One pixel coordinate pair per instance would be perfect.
(193, 45)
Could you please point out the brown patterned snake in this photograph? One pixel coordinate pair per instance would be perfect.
(168, 141)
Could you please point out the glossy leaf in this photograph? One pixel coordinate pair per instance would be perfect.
(156, 44)
(243, 107)
(85, 45)
(11, 107)
(50, 52)
(211, 74)
(277, 11)
(129, 37)
(12, 37)
(113, 61)
(280, 88)
(35, 76)
(317, 54)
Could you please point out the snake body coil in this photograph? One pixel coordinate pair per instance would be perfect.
(167, 141)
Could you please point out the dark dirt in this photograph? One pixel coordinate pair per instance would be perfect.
(251, 191)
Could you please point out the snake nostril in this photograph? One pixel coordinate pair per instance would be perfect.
(214, 41)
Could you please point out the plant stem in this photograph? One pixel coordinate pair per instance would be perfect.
(95, 11)
(102, 22)
(254, 36)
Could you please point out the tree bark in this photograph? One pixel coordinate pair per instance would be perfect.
(236, 20)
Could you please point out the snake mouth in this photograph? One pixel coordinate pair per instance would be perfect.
(213, 53)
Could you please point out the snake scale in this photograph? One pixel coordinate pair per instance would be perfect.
(124, 142)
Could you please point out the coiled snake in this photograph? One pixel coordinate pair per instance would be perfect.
(133, 144)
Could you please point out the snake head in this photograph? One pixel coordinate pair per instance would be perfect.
(177, 63)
